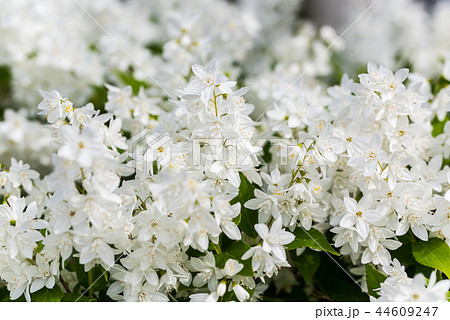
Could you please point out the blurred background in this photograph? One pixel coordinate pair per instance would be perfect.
(339, 14)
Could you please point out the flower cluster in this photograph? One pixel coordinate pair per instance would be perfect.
(173, 207)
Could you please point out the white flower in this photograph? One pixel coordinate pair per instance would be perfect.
(113, 136)
(5, 181)
(54, 107)
(18, 282)
(208, 273)
(82, 116)
(47, 273)
(396, 272)
(416, 290)
(347, 236)
(201, 227)
(119, 100)
(232, 267)
(380, 255)
(204, 297)
(19, 227)
(370, 158)
(225, 213)
(266, 205)
(274, 239)
(21, 174)
(359, 215)
(209, 80)
(97, 249)
(83, 148)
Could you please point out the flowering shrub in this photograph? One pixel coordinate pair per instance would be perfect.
(182, 190)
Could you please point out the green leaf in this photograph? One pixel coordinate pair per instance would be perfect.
(73, 297)
(307, 264)
(434, 253)
(47, 295)
(230, 296)
(426, 271)
(194, 253)
(5, 89)
(128, 80)
(438, 126)
(267, 156)
(4, 294)
(247, 218)
(5, 76)
(235, 251)
(155, 48)
(337, 284)
(238, 249)
(374, 278)
(438, 84)
(82, 276)
(98, 97)
(312, 239)
(221, 259)
(404, 253)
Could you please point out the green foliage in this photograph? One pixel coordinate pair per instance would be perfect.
(73, 297)
(127, 79)
(99, 97)
(247, 218)
(97, 276)
(307, 264)
(155, 48)
(5, 77)
(438, 126)
(5, 88)
(312, 239)
(434, 253)
(47, 295)
(191, 252)
(336, 63)
(238, 249)
(335, 283)
(267, 156)
(426, 271)
(404, 253)
(438, 84)
(4, 294)
(374, 278)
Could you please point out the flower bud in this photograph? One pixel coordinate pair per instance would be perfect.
(241, 293)
(221, 289)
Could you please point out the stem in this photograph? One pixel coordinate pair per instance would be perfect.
(217, 248)
(294, 174)
(142, 202)
(215, 103)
